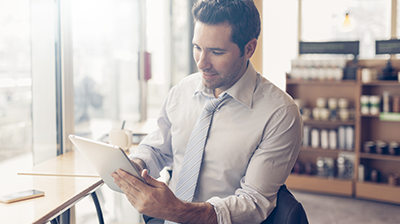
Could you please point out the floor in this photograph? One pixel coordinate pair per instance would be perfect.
(326, 209)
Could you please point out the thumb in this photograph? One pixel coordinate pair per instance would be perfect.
(149, 179)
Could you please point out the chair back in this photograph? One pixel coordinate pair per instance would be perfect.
(288, 210)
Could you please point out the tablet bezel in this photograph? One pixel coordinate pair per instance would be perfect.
(99, 155)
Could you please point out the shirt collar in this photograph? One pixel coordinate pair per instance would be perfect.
(242, 90)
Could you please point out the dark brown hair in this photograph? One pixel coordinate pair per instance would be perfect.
(242, 16)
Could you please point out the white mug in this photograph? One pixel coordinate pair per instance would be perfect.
(121, 138)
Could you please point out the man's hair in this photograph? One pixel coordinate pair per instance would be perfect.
(242, 16)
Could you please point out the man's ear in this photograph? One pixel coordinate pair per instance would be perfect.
(250, 48)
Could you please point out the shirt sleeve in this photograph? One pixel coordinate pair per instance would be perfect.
(155, 149)
(268, 169)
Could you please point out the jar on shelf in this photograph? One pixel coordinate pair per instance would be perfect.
(369, 147)
(381, 147)
(375, 104)
(394, 148)
(364, 104)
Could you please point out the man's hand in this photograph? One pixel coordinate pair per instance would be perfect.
(155, 199)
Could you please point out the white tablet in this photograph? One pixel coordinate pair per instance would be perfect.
(105, 159)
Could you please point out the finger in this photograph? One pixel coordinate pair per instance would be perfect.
(149, 179)
(130, 179)
(125, 186)
(131, 197)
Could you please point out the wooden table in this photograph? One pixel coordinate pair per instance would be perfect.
(61, 193)
(65, 179)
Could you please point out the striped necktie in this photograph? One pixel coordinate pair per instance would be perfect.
(189, 173)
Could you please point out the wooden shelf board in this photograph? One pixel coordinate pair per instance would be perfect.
(338, 122)
(333, 151)
(320, 185)
(379, 156)
(382, 83)
(318, 82)
(379, 192)
(370, 116)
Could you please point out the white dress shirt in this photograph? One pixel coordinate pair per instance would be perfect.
(253, 143)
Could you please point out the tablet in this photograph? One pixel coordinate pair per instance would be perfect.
(105, 159)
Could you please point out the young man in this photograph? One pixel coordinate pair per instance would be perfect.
(251, 144)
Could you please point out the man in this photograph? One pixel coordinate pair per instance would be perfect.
(251, 145)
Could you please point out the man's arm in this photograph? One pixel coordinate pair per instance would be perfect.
(155, 199)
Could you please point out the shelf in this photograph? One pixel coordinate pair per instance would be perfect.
(381, 83)
(380, 157)
(317, 82)
(337, 122)
(389, 117)
(318, 150)
(378, 191)
(320, 185)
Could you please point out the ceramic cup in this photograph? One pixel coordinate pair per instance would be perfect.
(121, 138)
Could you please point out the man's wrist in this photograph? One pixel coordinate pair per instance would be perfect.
(190, 212)
(140, 163)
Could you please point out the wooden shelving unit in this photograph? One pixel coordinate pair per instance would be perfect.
(366, 127)
(320, 185)
(378, 192)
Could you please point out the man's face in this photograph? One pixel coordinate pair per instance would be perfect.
(217, 57)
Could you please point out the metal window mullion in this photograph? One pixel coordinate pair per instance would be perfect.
(64, 75)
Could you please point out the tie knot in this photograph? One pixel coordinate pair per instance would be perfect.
(212, 103)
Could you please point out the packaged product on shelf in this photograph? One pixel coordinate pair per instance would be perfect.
(321, 102)
(396, 104)
(349, 138)
(316, 113)
(332, 139)
(381, 147)
(324, 139)
(369, 147)
(306, 135)
(342, 137)
(306, 114)
(344, 114)
(375, 104)
(324, 114)
(325, 167)
(345, 165)
(366, 75)
(375, 176)
(361, 173)
(315, 138)
(394, 148)
(393, 179)
(364, 104)
(343, 103)
(332, 103)
(386, 103)
(309, 168)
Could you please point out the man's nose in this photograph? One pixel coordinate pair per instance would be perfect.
(203, 62)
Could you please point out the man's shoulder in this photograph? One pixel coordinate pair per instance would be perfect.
(273, 93)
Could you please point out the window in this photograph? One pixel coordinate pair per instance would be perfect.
(105, 64)
(15, 80)
(369, 21)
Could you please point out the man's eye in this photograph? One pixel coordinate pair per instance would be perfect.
(217, 53)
